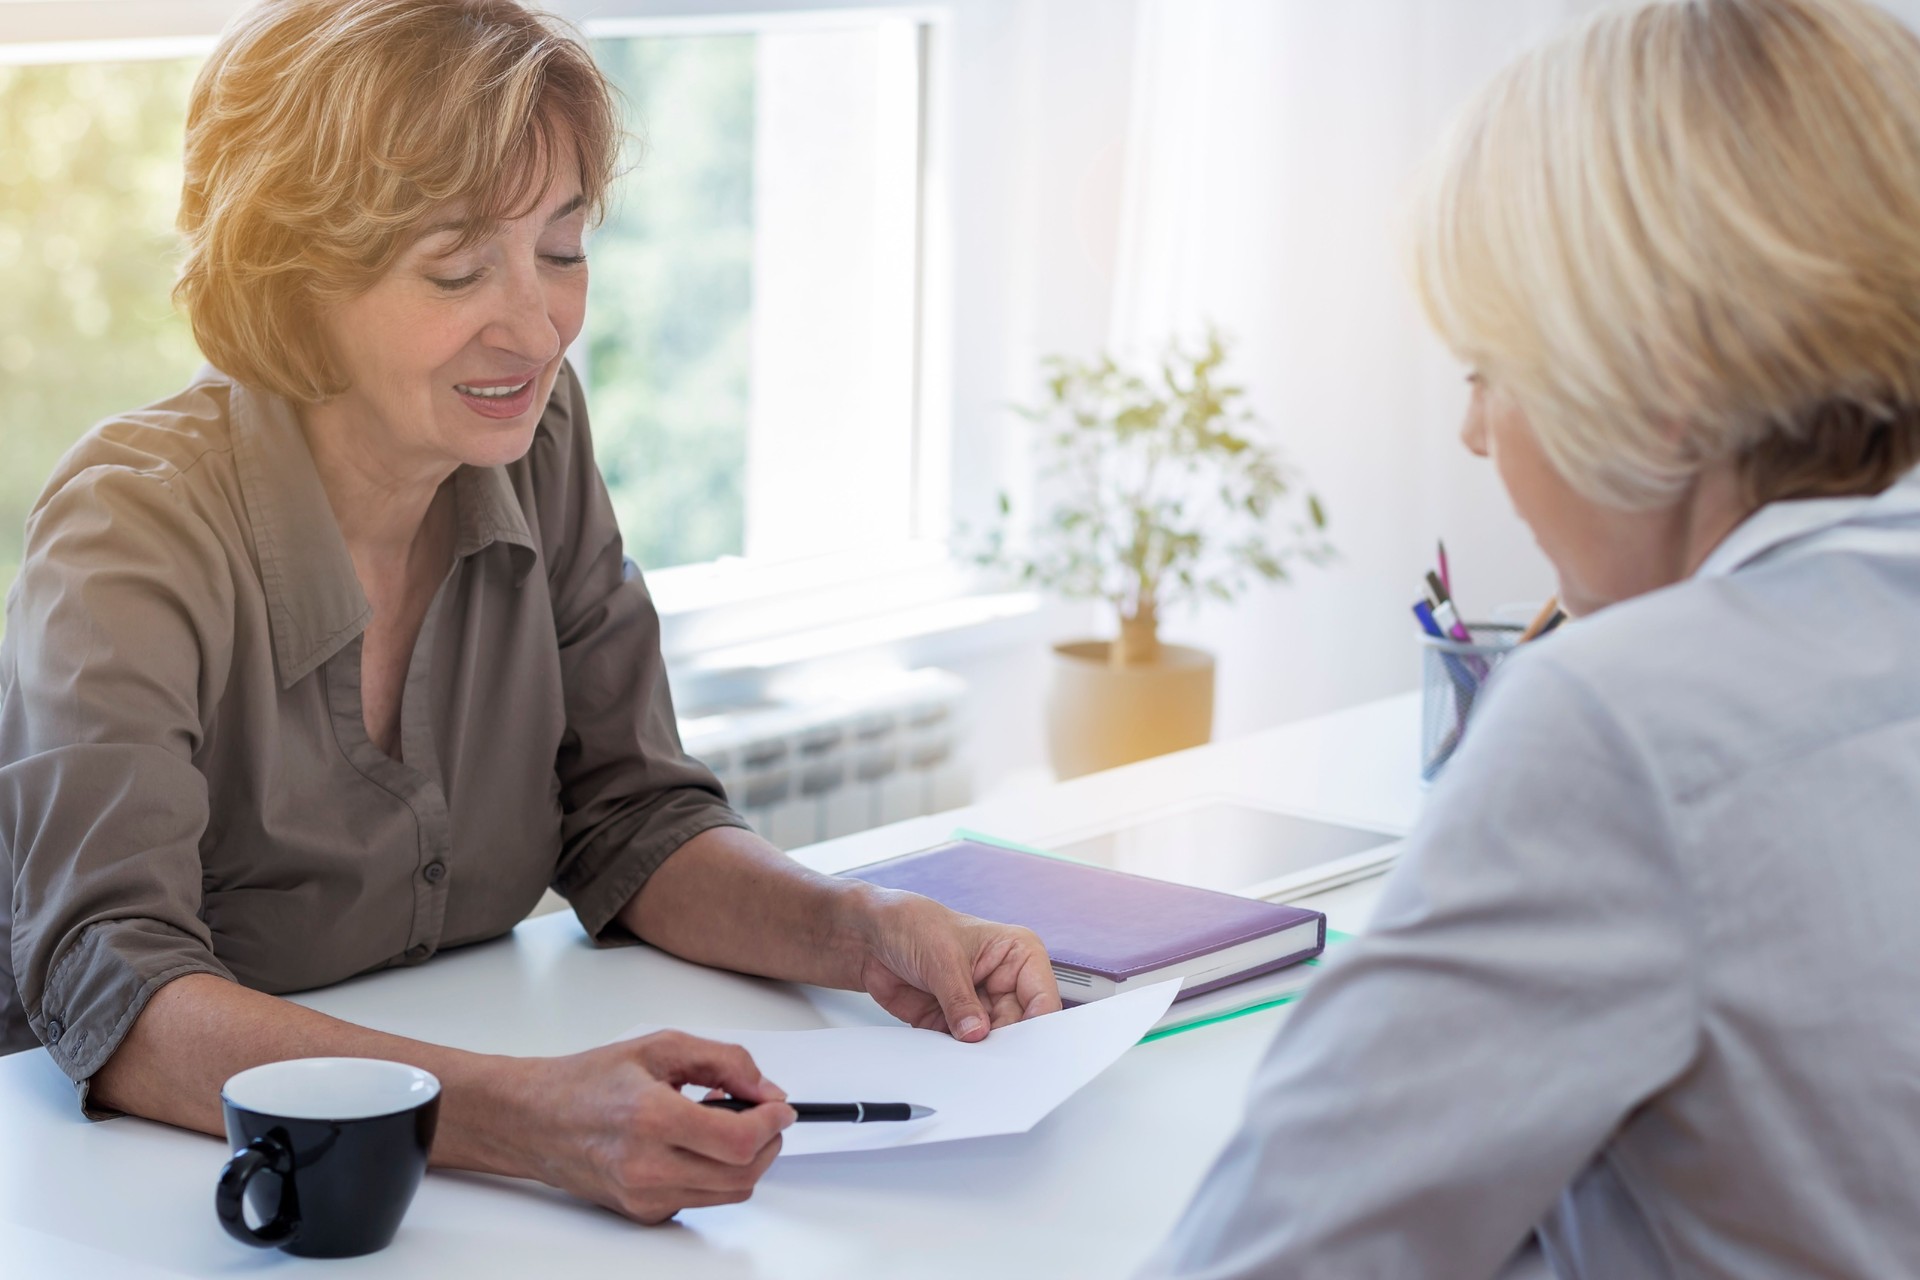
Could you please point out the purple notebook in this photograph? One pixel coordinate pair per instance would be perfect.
(1108, 924)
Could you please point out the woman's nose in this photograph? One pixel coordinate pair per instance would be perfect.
(523, 325)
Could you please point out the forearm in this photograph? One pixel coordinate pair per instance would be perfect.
(728, 898)
(199, 1030)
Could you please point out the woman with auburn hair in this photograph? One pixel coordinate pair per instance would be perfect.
(1638, 999)
(332, 660)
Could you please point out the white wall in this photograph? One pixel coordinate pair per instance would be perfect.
(1275, 215)
(1288, 141)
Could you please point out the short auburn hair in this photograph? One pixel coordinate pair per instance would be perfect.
(324, 135)
(1689, 233)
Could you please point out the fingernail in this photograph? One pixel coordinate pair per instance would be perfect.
(969, 1025)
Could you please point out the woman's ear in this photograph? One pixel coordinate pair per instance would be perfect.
(1473, 428)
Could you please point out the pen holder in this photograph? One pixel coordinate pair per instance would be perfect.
(1452, 674)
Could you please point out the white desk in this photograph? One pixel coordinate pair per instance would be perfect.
(1089, 1192)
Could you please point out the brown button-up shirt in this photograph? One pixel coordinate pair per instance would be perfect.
(186, 781)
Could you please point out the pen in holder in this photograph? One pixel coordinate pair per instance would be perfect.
(1452, 675)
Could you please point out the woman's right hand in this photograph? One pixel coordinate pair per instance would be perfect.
(610, 1125)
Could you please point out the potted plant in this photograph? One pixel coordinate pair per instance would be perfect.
(1162, 492)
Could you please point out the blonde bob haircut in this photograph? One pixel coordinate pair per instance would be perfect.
(324, 135)
(1687, 233)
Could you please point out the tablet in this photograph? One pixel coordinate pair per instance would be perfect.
(1236, 848)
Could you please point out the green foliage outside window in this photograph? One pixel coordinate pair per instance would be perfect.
(670, 325)
(89, 181)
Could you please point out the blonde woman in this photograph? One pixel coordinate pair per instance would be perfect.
(1642, 993)
(331, 661)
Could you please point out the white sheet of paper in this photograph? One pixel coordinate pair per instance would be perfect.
(1006, 1083)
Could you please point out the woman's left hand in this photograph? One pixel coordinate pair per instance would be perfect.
(937, 969)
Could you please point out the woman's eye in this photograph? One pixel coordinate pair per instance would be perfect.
(557, 259)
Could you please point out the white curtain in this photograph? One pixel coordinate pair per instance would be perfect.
(1270, 144)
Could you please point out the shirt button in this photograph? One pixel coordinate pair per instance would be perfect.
(418, 953)
(54, 1030)
(435, 872)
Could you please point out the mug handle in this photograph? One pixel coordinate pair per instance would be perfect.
(229, 1197)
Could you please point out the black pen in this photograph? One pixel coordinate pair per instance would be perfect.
(848, 1112)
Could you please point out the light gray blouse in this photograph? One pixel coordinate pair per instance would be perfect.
(1647, 977)
(186, 780)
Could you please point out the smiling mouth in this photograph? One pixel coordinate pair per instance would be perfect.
(491, 393)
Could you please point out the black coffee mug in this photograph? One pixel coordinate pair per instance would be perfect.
(328, 1151)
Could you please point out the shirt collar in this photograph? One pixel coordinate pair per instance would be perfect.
(1779, 525)
(487, 510)
(314, 601)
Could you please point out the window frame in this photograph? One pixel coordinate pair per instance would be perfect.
(727, 603)
(731, 601)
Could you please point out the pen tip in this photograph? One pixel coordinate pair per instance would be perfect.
(917, 1112)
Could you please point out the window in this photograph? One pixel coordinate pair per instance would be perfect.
(753, 342)
(669, 346)
(87, 198)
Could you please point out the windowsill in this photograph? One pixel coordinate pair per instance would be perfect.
(732, 630)
(738, 615)
(986, 616)
(688, 589)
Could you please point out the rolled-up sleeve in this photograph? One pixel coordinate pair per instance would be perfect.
(630, 793)
(115, 639)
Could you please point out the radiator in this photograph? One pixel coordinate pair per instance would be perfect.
(840, 760)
